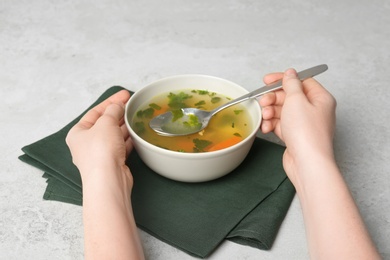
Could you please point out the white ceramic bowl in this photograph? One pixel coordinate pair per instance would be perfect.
(192, 167)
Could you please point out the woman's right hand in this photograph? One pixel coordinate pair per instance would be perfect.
(302, 114)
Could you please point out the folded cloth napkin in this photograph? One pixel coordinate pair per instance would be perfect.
(246, 206)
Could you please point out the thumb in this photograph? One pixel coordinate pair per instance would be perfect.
(291, 83)
(115, 110)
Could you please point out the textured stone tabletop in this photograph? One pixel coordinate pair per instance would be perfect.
(59, 56)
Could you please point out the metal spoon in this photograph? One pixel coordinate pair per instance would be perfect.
(165, 126)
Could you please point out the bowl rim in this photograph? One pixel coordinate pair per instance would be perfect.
(167, 152)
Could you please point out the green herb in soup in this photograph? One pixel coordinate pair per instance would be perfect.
(193, 121)
(177, 101)
(201, 144)
(227, 128)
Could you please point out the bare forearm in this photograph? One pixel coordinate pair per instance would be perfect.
(110, 229)
(334, 227)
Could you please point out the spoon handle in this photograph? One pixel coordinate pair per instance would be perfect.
(302, 75)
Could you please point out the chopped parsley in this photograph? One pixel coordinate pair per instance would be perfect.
(177, 113)
(139, 127)
(238, 111)
(215, 100)
(200, 103)
(193, 122)
(147, 113)
(203, 92)
(200, 144)
(176, 101)
(155, 106)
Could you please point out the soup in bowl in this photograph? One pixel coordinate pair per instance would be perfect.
(203, 156)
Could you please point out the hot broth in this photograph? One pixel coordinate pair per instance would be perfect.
(226, 128)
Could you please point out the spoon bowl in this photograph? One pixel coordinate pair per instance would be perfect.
(165, 125)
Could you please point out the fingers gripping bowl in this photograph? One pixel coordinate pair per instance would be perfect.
(192, 166)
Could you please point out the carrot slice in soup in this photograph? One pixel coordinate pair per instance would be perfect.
(225, 143)
(161, 111)
(185, 145)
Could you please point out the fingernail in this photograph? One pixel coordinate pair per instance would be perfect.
(291, 73)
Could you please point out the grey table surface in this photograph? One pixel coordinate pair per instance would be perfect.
(59, 56)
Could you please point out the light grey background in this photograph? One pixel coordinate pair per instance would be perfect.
(59, 56)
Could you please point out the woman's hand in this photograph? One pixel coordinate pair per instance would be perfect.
(100, 139)
(99, 144)
(302, 115)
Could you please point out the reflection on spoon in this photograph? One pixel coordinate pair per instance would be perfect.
(194, 120)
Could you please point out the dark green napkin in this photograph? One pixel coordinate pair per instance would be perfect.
(246, 206)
